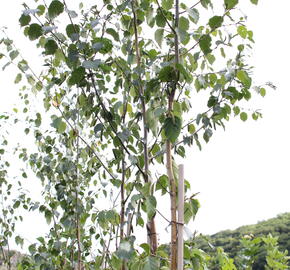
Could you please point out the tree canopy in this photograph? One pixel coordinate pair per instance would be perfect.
(117, 81)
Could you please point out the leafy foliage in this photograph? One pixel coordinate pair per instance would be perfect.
(118, 100)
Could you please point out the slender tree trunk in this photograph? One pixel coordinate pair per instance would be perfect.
(180, 217)
(151, 228)
(169, 161)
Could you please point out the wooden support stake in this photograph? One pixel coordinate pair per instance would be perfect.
(180, 217)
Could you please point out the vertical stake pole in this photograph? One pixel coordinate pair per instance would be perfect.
(180, 217)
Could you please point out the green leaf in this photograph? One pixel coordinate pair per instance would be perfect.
(183, 35)
(195, 206)
(151, 121)
(191, 128)
(159, 111)
(150, 17)
(18, 78)
(19, 240)
(16, 204)
(262, 92)
(205, 43)
(167, 74)
(215, 22)
(158, 35)
(177, 109)
(193, 14)
(212, 101)
(190, 210)
(24, 20)
(13, 54)
(250, 35)
(187, 212)
(34, 31)
(167, 4)
(172, 128)
(210, 58)
(183, 23)
(243, 76)
(151, 263)
(187, 76)
(255, 2)
(55, 8)
(223, 52)
(207, 135)
(125, 250)
(99, 127)
(50, 47)
(162, 184)
(116, 262)
(102, 45)
(255, 116)
(59, 125)
(77, 75)
(41, 10)
(48, 216)
(206, 3)
(92, 64)
(244, 116)
(146, 248)
(242, 31)
(113, 33)
(32, 249)
(38, 86)
(236, 110)
(72, 31)
(151, 206)
(230, 3)
(160, 20)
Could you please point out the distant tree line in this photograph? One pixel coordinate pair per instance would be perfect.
(234, 242)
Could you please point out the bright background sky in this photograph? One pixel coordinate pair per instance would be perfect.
(243, 173)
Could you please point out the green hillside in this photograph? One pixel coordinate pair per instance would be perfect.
(230, 240)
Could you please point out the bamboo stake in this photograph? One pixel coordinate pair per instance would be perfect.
(180, 217)
(173, 201)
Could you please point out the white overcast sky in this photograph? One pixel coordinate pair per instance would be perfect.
(243, 173)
